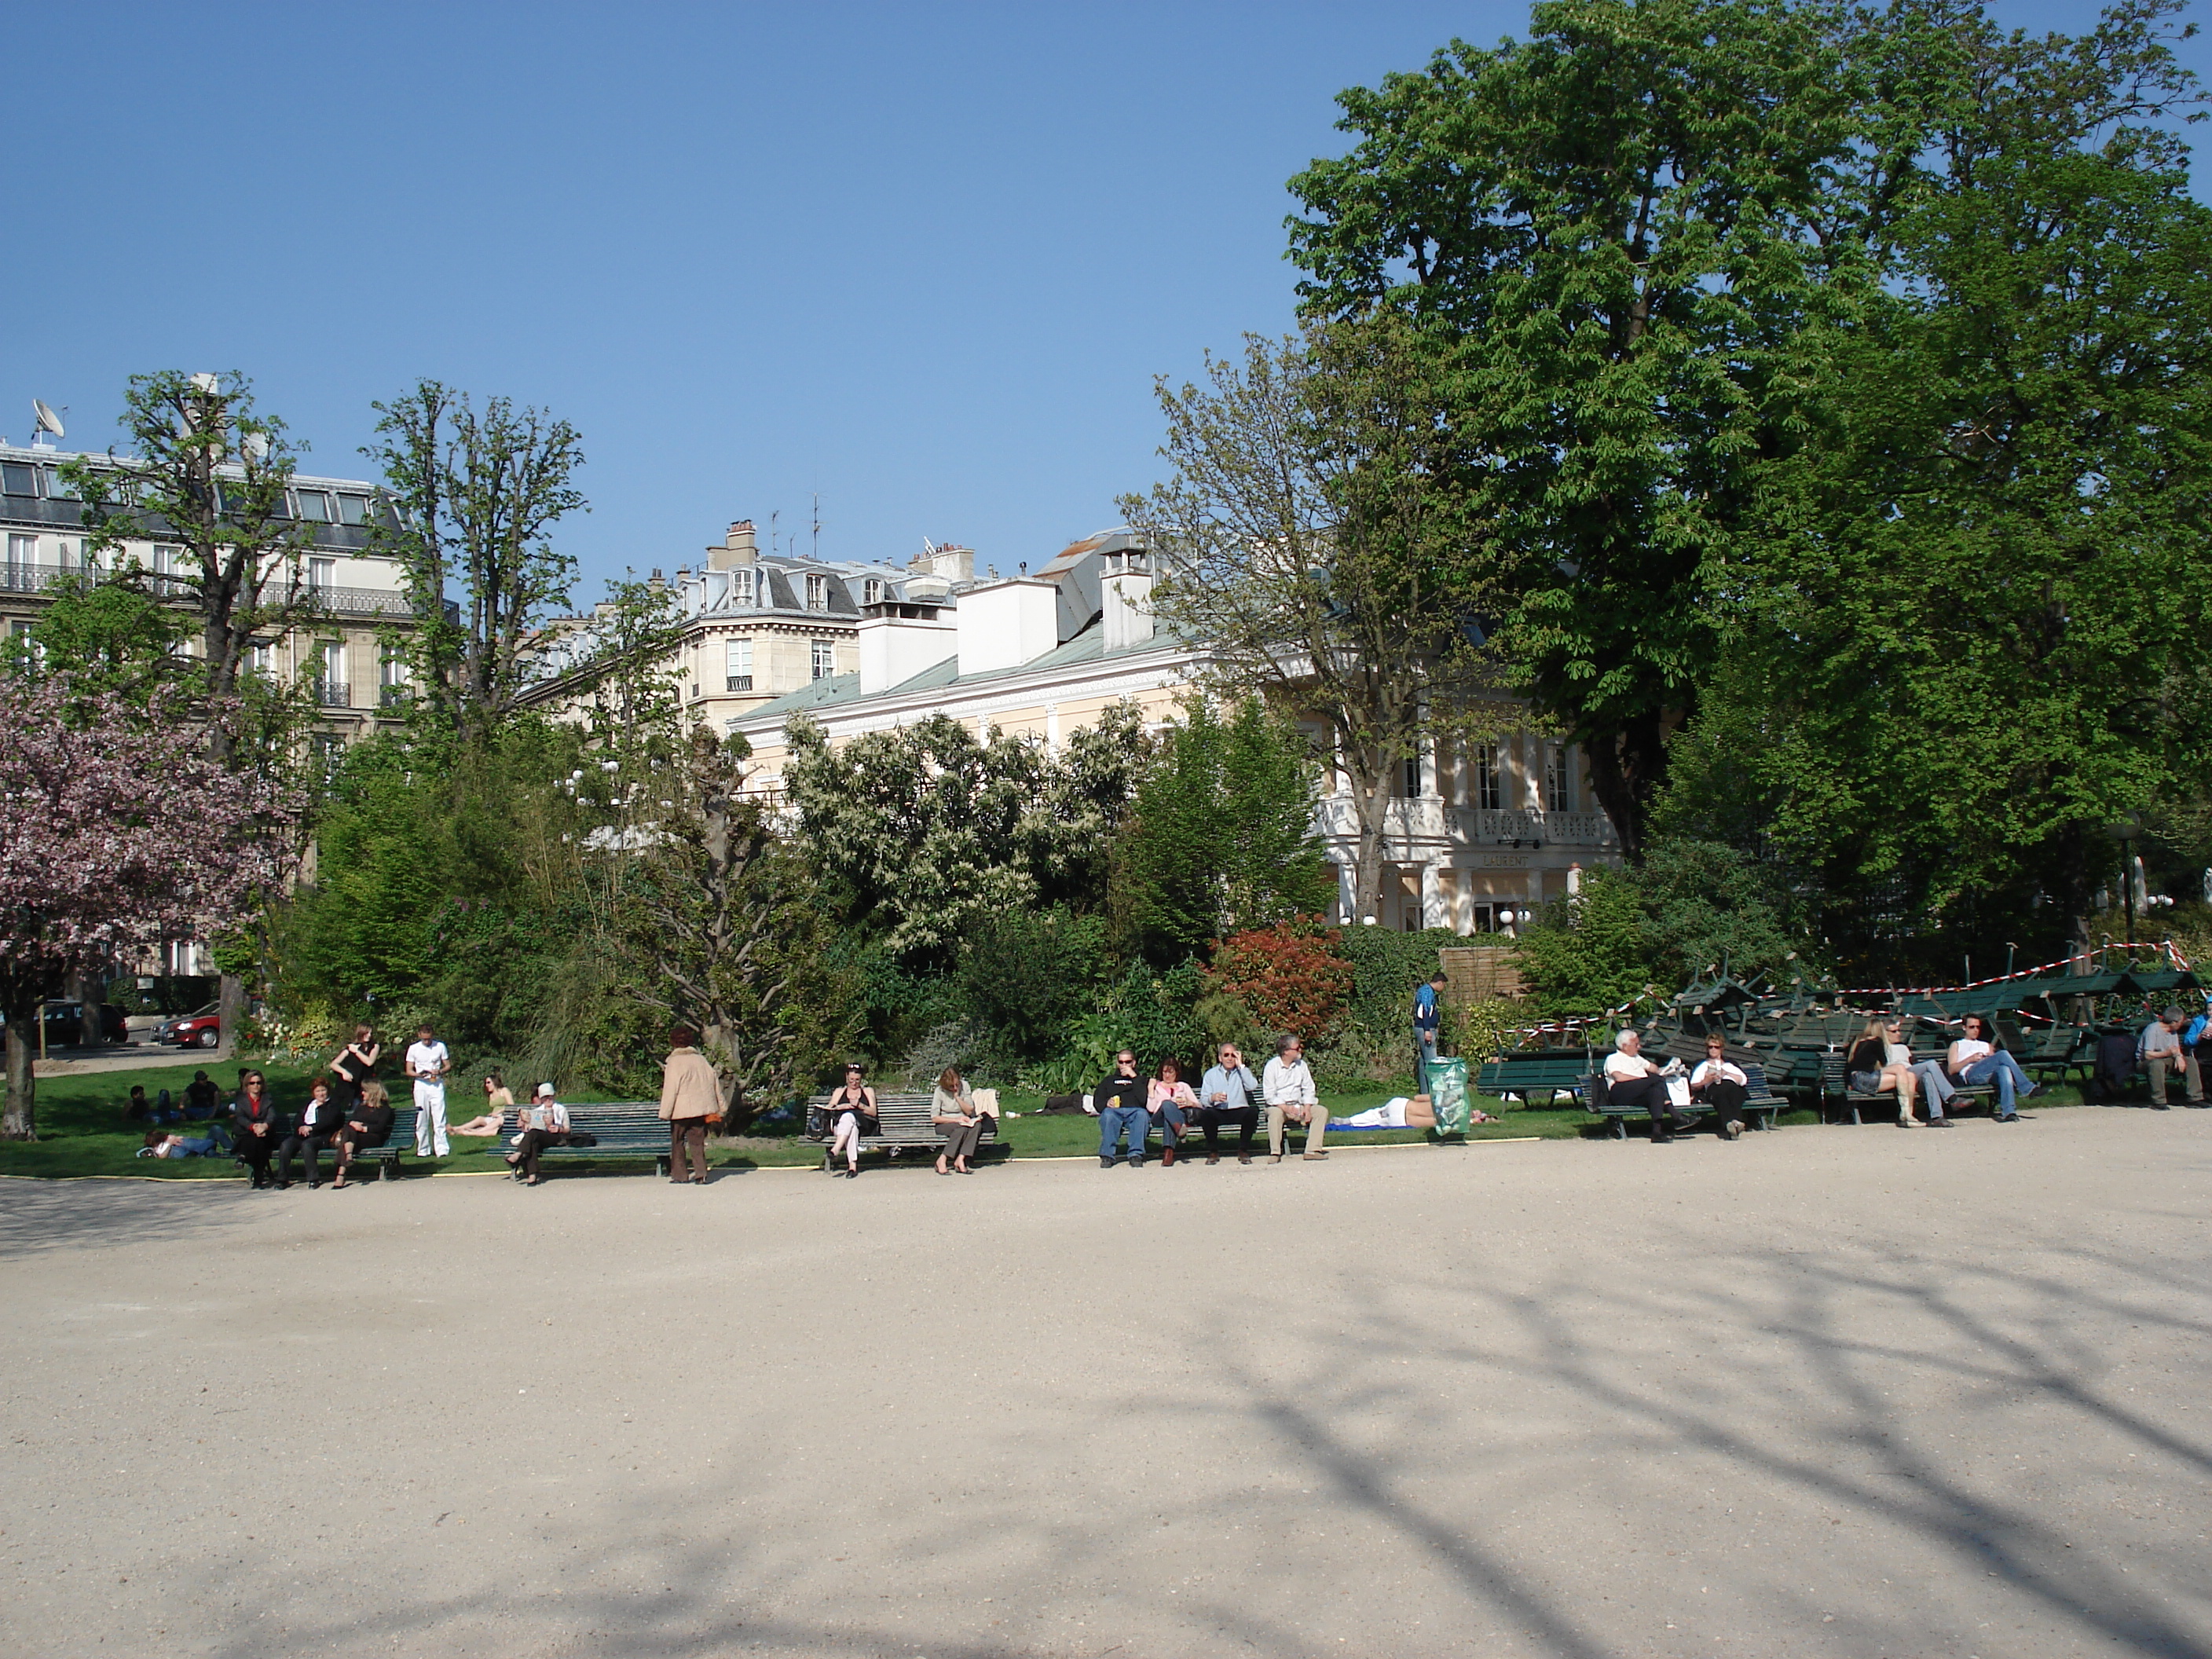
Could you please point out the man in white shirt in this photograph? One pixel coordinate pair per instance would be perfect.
(1287, 1087)
(1632, 1081)
(428, 1063)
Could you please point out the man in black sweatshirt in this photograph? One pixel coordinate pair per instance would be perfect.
(1120, 1101)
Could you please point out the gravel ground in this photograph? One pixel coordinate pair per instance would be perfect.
(1845, 1392)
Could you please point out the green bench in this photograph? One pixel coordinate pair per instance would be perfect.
(386, 1157)
(1835, 1087)
(1759, 1105)
(904, 1124)
(623, 1132)
(2055, 1050)
(1535, 1077)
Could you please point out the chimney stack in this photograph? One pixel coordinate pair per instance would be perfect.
(1125, 594)
(739, 549)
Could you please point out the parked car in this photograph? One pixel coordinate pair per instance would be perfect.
(64, 1023)
(201, 1029)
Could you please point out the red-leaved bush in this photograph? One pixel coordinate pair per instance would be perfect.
(1290, 975)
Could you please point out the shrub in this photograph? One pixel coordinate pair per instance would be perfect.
(1293, 977)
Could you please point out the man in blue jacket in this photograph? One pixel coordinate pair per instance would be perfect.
(1428, 1015)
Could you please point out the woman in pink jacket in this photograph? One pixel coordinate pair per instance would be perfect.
(690, 1093)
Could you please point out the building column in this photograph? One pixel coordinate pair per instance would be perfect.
(1347, 895)
(1535, 887)
(1052, 728)
(1433, 914)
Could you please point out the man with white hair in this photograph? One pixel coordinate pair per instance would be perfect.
(1632, 1081)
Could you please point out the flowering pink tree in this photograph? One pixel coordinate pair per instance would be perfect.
(118, 829)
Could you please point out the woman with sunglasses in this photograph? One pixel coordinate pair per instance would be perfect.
(1871, 1071)
(852, 1115)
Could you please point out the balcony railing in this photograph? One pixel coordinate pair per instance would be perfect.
(34, 578)
(392, 697)
(738, 683)
(29, 578)
(330, 694)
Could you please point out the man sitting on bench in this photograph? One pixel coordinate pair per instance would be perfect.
(1632, 1081)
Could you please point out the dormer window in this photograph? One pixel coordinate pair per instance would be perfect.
(818, 592)
(872, 591)
(741, 588)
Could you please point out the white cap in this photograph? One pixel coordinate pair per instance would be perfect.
(545, 1089)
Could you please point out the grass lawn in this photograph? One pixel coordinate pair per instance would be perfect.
(81, 1131)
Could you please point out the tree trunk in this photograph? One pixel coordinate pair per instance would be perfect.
(1627, 767)
(1371, 805)
(230, 1011)
(90, 989)
(21, 1123)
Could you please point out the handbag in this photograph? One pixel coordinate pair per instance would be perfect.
(582, 1137)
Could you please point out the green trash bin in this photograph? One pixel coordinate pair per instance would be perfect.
(1447, 1094)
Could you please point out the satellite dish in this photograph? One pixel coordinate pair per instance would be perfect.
(44, 419)
(257, 445)
(207, 383)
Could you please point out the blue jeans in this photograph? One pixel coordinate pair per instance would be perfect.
(1936, 1089)
(1424, 1051)
(1111, 1123)
(2011, 1081)
(1168, 1121)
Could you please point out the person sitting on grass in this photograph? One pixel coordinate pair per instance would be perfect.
(1870, 1072)
(136, 1109)
(201, 1095)
(161, 1143)
(1632, 1081)
(369, 1124)
(1167, 1099)
(497, 1098)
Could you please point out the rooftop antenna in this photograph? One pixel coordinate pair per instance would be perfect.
(815, 552)
(43, 421)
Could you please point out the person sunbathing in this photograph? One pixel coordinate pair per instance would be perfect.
(159, 1145)
(497, 1098)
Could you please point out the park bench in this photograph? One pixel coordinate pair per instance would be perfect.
(631, 1131)
(1759, 1105)
(904, 1123)
(2055, 1050)
(386, 1157)
(1535, 1076)
(1835, 1087)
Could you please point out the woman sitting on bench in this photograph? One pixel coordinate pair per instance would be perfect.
(1869, 1070)
(852, 1115)
(1721, 1087)
(368, 1123)
(1632, 1081)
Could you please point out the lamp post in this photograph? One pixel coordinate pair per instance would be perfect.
(2127, 832)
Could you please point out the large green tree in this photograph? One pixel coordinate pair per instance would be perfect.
(1613, 232)
(1977, 631)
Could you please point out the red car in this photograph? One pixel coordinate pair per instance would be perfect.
(201, 1029)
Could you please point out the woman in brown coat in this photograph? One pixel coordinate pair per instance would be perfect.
(689, 1095)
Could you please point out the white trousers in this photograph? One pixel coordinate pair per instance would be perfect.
(429, 1117)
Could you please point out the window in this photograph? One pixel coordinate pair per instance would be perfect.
(22, 572)
(391, 674)
(315, 505)
(826, 655)
(322, 576)
(1488, 793)
(1412, 782)
(741, 587)
(169, 568)
(261, 655)
(23, 648)
(329, 675)
(329, 749)
(817, 595)
(738, 664)
(1556, 798)
(17, 479)
(58, 489)
(872, 591)
(353, 509)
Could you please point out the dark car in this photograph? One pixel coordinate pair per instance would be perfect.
(64, 1023)
(201, 1029)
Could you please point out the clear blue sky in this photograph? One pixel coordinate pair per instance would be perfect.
(922, 259)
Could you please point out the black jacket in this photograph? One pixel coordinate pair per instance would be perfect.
(244, 1117)
(376, 1122)
(1119, 1089)
(1868, 1054)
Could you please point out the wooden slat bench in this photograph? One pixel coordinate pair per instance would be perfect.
(386, 1157)
(1835, 1087)
(631, 1131)
(1535, 1076)
(903, 1124)
(1759, 1105)
(2055, 1050)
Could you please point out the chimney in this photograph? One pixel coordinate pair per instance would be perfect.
(899, 640)
(1125, 588)
(738, 549)
(1006, 624)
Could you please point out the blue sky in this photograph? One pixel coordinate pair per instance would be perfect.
(923, 260)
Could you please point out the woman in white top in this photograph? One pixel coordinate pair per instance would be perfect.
(1721, 1086)
(1632, 1081)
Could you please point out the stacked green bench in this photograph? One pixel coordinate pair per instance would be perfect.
(623, 1132)
(1761, 1102)
(1534, 1077)
(2055, 1050)
(1837, 1094)
(904, 1123)
(386, 1157)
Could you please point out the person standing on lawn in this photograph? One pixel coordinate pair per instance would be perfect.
(354, 1065)
(1121, 1102)
(1428, 1019)
(1229, 1093)
(428, 1062)
(1287, 1086)
(690, 1093)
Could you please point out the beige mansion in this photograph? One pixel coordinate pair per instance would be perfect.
(1481, 831)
